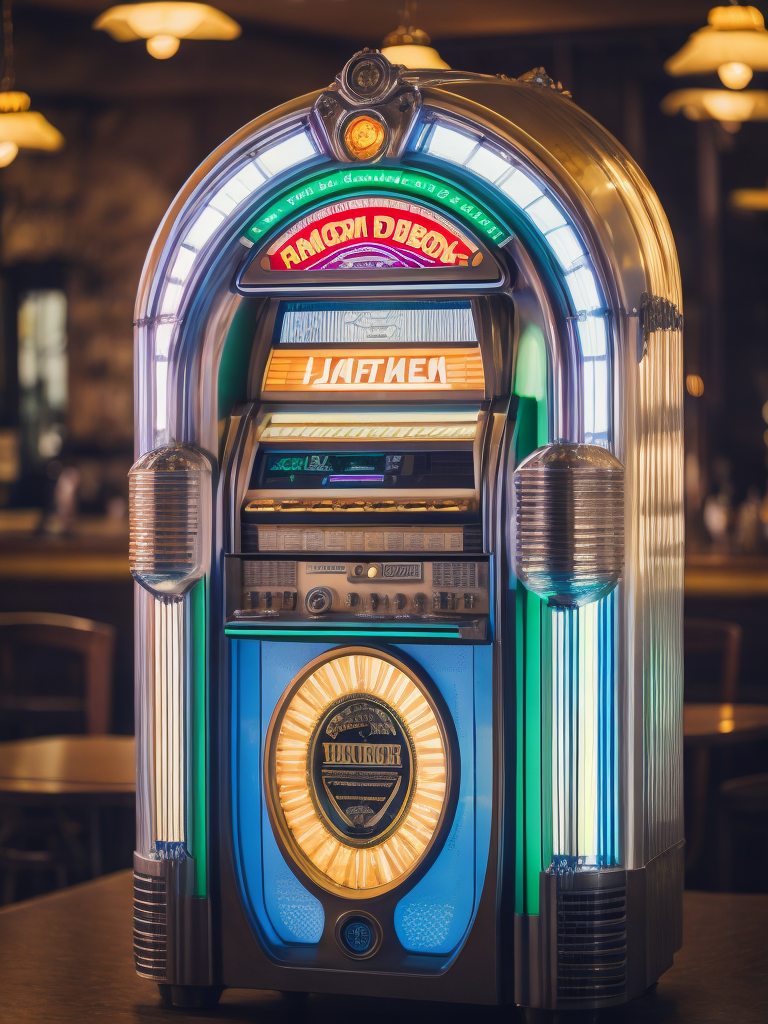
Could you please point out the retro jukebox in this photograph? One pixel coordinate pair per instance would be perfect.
(406, 520)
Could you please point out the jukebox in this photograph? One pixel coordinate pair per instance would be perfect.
(406, 520)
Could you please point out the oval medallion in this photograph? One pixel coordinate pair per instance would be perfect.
(361, 764)
(359, 769)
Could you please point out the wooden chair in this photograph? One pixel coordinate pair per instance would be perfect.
(742, 808)
(55, 673)
(29, 704)
(707, 638)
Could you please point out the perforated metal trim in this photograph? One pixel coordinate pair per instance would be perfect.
(592, 944)
(454, 574)
(264, 575)
(149, 925)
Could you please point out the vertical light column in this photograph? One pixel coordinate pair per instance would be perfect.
(170, 738)
(584, 756)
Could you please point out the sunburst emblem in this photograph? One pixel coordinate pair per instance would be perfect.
(359, 770)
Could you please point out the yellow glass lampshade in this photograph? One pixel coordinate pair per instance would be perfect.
(414, 56)
(411, 47)
(734, 43)
(749, 199)
(24, 128)
(717, 105)
(164, 24)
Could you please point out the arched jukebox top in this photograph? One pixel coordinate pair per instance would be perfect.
(467, 191)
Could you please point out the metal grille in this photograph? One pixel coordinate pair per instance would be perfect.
(149, 925)
(265, 575)
(454, 574)
(592, 943)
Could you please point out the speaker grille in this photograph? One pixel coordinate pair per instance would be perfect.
(454, 574)
(265, 575)
(592, 944)
(149, 925)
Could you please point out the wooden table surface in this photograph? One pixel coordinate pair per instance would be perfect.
(67, 957)
(95, 768)
(714, 724)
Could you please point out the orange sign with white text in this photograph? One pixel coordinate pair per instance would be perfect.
(379, 369)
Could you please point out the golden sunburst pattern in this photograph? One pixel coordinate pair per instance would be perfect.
(345, 869)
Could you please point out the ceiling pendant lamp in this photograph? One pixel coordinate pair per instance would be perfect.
(749, 199)
(728, 107)
(164, 24)
(20, 127)
(411, 46)
(734, 43)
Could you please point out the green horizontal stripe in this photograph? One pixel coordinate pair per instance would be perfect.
(401, 180)
(338, 632)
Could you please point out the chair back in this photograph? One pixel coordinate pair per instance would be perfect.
(705, 680)
(54, 668)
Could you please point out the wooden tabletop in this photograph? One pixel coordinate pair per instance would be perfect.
(66, 767)
(715, 724)
(726, 576)
(92, 553)
(67, 957)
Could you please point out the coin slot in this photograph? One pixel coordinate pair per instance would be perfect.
(358, 935)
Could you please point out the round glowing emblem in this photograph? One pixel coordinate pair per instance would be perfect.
(359, 770)
(364, 136)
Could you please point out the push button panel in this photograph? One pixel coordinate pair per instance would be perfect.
(381, 589)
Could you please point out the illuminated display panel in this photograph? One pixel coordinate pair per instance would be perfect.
(361, 323)
(376, 233)
(369, 426)
(374, 370)
(359, 769)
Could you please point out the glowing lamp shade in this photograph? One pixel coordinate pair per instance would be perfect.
(717, 105)
(164, 24)
(411, 56)
(734, 43)
(22, 128)
(749, 199)
(412, 48)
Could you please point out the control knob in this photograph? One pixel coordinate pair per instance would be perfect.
(319, 600)
(420, 603)
(400, 601)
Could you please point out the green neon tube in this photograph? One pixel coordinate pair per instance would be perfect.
(337, 632)
(405, 181)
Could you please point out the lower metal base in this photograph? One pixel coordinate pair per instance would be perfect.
(600, 938)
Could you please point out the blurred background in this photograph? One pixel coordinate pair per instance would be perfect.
(75, 225)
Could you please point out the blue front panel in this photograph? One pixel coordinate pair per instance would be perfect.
(434, 916)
